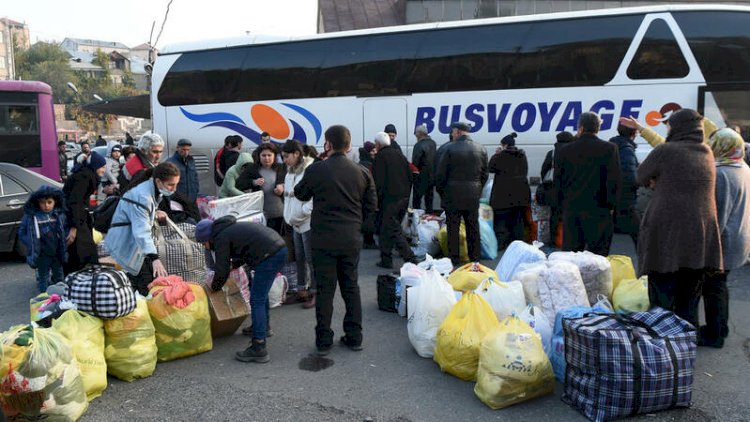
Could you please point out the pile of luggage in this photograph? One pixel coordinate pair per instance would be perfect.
(552, 318)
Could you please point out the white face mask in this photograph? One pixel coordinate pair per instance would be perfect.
(166, 193)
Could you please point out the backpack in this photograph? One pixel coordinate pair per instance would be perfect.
(104, 212)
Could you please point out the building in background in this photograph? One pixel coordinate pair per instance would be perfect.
(122, 59)
(12, 35)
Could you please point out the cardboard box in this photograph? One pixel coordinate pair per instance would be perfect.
(227, 308)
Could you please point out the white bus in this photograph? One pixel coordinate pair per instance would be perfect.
(532, 75)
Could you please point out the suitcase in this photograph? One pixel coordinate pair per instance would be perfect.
(101, 291)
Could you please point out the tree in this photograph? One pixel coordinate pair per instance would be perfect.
(47, 63)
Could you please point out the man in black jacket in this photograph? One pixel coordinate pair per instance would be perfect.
(626, 218)
(461, 174)
(587, 176)
(390, 129)
(343, 195)
(423, 157)
(62, 158)
(391, 173)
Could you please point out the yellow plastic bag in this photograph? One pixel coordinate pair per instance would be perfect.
(130, 345)
(463, 250)
(182, 329)
(39, 378)
(513, 366)
(98, 237)
(85, 334)
(631, 295)
(460, 336)
(470, 276)
(622, 269)
(35, 303)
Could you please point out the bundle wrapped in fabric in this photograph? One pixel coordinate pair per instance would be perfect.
(182, 324)
(487, 240)
(622, 269)
(85, 333)
(631, 295)
(470, 276)
(430, 302)
(553, 286)
(46, 307)
(596, 272)
(130, 344)
(513, 367)
(39, 377)
(463, 250)
(460, 336)
(517, 253)
(506, 299)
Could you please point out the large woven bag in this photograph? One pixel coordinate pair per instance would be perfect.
(100, 291)
(180, 255)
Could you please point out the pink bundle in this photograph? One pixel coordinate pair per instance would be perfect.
(176, 291)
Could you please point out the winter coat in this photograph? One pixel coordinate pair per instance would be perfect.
(628, 161)
(251, 172)
(391, 174)
(733, 211)
(227, 160)
(248, 242)
(29, 232)
(365, 159)
(129, 244)
(229, 185)
(297, 213)
(680, 227)
(511, 185)
(343, 195)
(423, 157)
(461, 174)
(113, 170)
(188, 185)
(77, 191)
(62, 158)
(135, 164)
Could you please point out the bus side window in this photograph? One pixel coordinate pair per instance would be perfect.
(659, 56)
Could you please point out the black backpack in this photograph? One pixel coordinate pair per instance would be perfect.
(104, 212)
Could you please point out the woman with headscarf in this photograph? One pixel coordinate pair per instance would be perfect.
(78, 188)
(679, 240)
(733, 208)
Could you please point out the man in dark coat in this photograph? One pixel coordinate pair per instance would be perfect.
(511, 194)
(625, 217)
(423, 157)
(100, 142)
(587, 176)
(188, 186)
(343, 195)
(461, 175)
(390, 129)
(62, 158)
(391, 174)
(548, 184)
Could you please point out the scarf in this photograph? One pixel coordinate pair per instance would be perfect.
(728, 147)
(685, 126)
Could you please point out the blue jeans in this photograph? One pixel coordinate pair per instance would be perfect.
(44, 266)
(265, 273)
(303, 253)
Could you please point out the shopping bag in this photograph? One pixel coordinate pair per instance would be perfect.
(430, 302)
(534, 316)
(180, 255)
(130, 344)
(517, 253)
(631, 295)
(463, 251)
(85, 334)
(557, 355)
(460, 336)
(622, 269)
(182, 323)
(487, 240)
(469, 276)
(506, 299)
(277, 294)
(39, 377)
(512, 366)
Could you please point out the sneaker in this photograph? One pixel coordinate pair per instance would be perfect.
(323, 350)
(248, 331)
(255, 353)
(344, 340)
(386, 265)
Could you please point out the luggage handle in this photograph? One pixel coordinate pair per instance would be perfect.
(627, 321)
(174, 227)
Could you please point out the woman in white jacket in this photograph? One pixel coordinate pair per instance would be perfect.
(297, 214)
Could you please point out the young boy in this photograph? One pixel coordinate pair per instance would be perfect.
(44, 232)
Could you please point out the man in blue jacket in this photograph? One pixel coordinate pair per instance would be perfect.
(188, 186)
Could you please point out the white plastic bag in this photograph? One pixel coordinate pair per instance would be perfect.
(411, 275)
(534, 316)
(528, 275)
(429, 303)
(277, 294)
(427, 238)
(506, 299)
(518, 253)
(560, 287)
(443, 265)
(596, 272)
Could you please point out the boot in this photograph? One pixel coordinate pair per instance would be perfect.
(255, 353)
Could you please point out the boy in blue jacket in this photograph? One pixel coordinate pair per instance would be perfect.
(44, 232)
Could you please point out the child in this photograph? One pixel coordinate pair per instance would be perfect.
(44, 232)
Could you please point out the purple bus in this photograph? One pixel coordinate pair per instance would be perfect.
(28, 136)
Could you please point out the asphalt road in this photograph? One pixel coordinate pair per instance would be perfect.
(387, 381)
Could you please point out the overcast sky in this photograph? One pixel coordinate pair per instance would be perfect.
(129, 21)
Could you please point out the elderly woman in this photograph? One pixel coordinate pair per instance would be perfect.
(733, 207)
(267, 175)
(679, 240)
(129, 238)
(78, 188)
(147, 156)
(511, 194)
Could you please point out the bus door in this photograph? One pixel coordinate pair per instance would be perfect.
(378, 112)
(726, 105)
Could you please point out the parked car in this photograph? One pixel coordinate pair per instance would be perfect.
(16, 184)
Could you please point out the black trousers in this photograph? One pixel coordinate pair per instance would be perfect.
(424, 190)
(391, 234)
(679, 292)
(508, 225)
(144, 277)
(332, 267)
(471, 220)
(716, 305)
(589, 230)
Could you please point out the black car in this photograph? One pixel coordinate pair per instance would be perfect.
(16, 184)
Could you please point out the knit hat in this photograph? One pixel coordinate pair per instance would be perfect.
(116, 148)
(685, 125)
(369, 146)
(509, 140)
(184, 142)
(95, 161)
(390, 128)
(203, 230)
(462, 126)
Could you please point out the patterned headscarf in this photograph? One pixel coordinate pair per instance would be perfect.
(728, 147)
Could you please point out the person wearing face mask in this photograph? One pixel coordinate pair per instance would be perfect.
(78, 188)
(129, 238)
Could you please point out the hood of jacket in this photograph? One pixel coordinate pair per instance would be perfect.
(222, 224)
(32, 204)
(243, 159)
(514, 151)
(299, 168)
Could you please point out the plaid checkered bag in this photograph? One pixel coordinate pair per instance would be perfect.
(101, 291)
(180, 255)
(623, 365)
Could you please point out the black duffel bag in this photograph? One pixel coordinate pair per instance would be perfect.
(387, 297)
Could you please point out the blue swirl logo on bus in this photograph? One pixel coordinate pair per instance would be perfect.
(265, 119)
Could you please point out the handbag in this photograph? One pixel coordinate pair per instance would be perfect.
(101, 291)
(181, 256)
